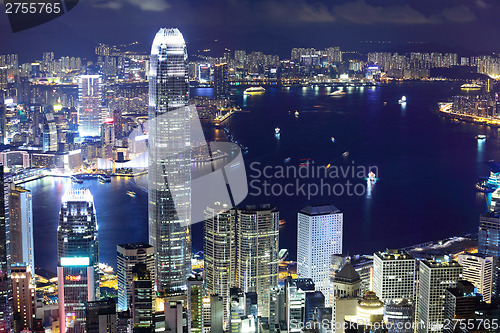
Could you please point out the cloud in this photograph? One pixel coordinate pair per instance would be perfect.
(481, 4)
(146, 5)
(296, 11)
(361, 12)
(459, 14)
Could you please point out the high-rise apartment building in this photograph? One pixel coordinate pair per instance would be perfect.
(221, 84)
(393, 276)
(169, 160)
(21, 226)
(435, 276)
(319, 236)
(478, 269)
(89, 105)
(128, 255)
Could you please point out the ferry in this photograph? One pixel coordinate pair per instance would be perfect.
(131, 194)
(337, 93)
(76, 180)
(402, 100)
(481, 137)
(372, 176)
(470, 86)
(296, 114)
(104, 179)
(254, 90)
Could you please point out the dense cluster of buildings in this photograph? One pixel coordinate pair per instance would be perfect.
(239, 288)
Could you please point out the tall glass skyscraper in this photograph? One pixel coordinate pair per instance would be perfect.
(78, 255)
(169, 160)
(89, 105)
(5, 284)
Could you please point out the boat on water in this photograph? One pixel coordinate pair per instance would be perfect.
(282, 222)
(385, 103)
(333, 139)
(76, 180)
(345, 154)
(470, 86)
(254, 90)
(104, 179)
(481, 137)
(402, 100)
(296, 114)
(337, 93)
(131, 194)
(288, 159)
(372, 176)
(277, 131)
(304, 162)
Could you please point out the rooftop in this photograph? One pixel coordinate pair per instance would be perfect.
(320, 210)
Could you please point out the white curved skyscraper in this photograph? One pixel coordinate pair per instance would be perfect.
(169, 160)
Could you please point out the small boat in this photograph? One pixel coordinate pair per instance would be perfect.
(282, 222)
(333, 139)
(131, 194)
(385, 103)
(402, 100)
(76, 180)
(277, 131)
(296, 114)
(372, 176)
(104, 179)
(328, 166)
(481, 137)
(304, 162)
(337, 93)
(345, 154)
(288, 159)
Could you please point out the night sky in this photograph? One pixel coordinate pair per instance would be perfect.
(273, 26)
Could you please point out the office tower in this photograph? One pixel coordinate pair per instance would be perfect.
(194, 303)
(221, 84)
(101, 316)
(257, 252)
(460, 305)
(173, 317)
(76, 286)
(319, 235)
(23, 292)
(435, 276)
(141, 306)
(5, 284)
(21, 226)
(118, 121)
(89, 105)
(393, 276)
(124, 322)
(399, 316)
(219, 253)
(346, 291)
(128, 255)
(49, 133)
(216, 313)
(295, 296)
(107, 138)
(478, 269)
(77, 233)
(237, 309)
(169, 160)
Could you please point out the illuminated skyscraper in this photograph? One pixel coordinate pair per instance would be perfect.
(435, 276)
(319, 233)
(89, 105)
(78, 254)
(21, 226)
(478, 269)
(221, 84)
(393, 276)
(257, 241)
(169, 160)
(23, 288)
(128, 255)
(5, 284)
(220, 253)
